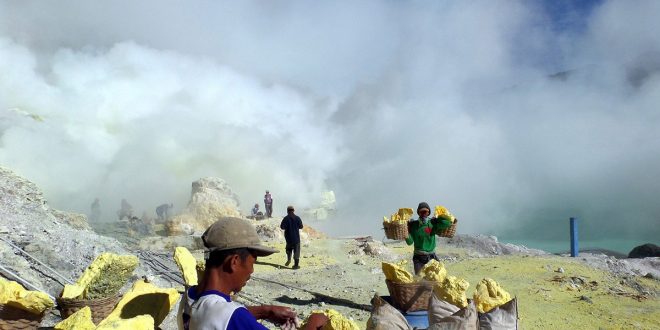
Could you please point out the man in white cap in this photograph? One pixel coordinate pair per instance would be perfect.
(232, 249)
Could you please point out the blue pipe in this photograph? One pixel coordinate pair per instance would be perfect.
(574, 237)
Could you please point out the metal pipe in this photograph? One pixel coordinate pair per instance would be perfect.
(68, 281)
(574, 237)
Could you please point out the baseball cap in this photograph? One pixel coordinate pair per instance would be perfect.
(233, 233)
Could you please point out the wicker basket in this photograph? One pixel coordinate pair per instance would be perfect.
(449, 232)
(101, 307)
(410, 297)
(15, 318)
(396, 230)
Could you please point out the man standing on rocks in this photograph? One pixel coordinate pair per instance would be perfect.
(292, 225)
(421, 233)
(232, 249)
(268, 202)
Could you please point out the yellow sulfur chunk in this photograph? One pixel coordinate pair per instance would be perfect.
(144, 299)
(433, 271)
(103, 278)
(80, 320)
(441, 210)
(405, 213)
(201, 267)
(187, 265)
(13, 294)
(488, 295)
(336, 321)
(142, 322)
(452, 290)
(396, 273)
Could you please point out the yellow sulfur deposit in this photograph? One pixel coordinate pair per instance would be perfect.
(103, 278)
(336, 321)
(187, 265)
(142, 322)
(489, 295)
(396, 273)
(201, 267)
(452, 290)
(144, 299)
(13, 294)
(80, 320)
(441, 210)
(434, 271)
(403, 215)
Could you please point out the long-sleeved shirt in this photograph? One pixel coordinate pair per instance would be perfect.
(422, 232)
(291, 225)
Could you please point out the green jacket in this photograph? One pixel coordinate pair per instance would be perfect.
(423, 234)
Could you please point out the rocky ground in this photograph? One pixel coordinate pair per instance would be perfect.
(554, 292)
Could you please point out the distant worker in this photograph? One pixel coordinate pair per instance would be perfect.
(421, 233)
(126, 210)
(292, 224)
(163, 211)
(232, 249)
(268, 202)
(96, 211)
(255, 210)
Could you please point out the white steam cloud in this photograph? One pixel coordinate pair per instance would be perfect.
(511, 117)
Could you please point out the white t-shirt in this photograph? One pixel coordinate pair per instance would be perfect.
(212, 312)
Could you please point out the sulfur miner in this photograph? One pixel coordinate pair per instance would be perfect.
(421, 234)
(452, 290)
(488, 295)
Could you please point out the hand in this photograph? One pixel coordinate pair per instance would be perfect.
(316, 321)
(281, 315)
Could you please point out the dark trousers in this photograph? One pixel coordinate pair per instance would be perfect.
(293, 248)
(269, 210)
(419, 260)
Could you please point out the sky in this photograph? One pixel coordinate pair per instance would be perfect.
(516, 115)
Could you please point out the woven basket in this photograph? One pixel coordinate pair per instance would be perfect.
(449, 232)
(15, 318)
(410, 297)
(101, 307)
(396, 230)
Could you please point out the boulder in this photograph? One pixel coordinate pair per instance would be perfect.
(210, 199)
(75, 220)
(645, 251)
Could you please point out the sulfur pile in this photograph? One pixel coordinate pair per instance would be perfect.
(337, 321)
(402, 215)
(103, 278)
(13, 294)
(397, 273)
(441, 211)
(452, 290)
(488, 295)
(434, 271)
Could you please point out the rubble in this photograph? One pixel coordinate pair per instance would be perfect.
(210, 199)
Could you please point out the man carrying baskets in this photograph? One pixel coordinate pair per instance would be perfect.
(421, 233)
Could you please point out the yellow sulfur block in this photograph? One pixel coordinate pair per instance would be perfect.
(80, 320)
(405, 213)
(452, 290)
(201, 267)
(336, 321)
(144, 299)
(488, 295)
(187, 265)
(396, 273)
(13, 294)
(142, 322)
(441, 210)
(103, 277)
(434, 271)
